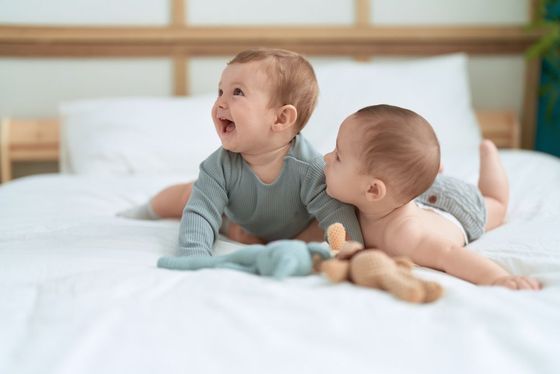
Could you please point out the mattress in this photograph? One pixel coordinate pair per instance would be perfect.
(81, 293)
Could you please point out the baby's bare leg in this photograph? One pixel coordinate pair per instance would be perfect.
(493, 184)
(313, 233)
(170, 202)
(237, 233)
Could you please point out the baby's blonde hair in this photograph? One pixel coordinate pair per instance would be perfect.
(292, 76)
(399, 147)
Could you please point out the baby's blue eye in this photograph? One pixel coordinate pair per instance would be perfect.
(238, 92)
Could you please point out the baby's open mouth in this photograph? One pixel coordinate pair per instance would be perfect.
(227, 125)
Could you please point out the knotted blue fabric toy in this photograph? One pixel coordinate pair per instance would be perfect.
(278, 259)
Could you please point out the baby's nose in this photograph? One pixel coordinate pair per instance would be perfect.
(221, 102)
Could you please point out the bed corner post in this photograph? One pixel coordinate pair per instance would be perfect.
(5, 164)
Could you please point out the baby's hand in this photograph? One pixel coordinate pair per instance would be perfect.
(516, 282)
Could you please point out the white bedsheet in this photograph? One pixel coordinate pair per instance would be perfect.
(80, 293)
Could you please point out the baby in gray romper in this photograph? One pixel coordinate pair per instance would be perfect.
(266, 178)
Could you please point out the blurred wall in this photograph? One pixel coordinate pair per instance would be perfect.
(35, 87)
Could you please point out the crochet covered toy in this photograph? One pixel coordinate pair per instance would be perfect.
(278, 259)
(373, 268)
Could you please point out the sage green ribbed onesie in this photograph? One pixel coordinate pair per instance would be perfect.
(280, 210)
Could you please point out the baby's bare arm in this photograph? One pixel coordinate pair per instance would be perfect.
(428, 249)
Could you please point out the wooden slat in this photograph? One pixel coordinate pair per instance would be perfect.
(34, 41)
(178, 13)
(180, 62)
(180, 76)
(361, 19)
(362, 11)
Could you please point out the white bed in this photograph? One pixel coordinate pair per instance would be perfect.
(81, 292)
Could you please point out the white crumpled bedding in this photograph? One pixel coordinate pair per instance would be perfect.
(80, 293)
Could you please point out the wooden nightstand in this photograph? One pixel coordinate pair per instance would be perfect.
(27, 140)
(501, 126)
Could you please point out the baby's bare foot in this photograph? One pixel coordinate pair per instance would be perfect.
(488, 149)
(516, 282)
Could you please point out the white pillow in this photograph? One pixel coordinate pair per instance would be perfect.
(137, 135)
(173, 135)
(437, 88)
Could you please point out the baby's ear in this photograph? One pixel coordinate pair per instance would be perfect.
(376, 190)
(285, 118)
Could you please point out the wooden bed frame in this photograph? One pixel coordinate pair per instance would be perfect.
(37, 139)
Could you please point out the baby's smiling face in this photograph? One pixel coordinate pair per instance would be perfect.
(242, 113)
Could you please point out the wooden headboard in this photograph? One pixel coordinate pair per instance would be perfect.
(180, 42)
